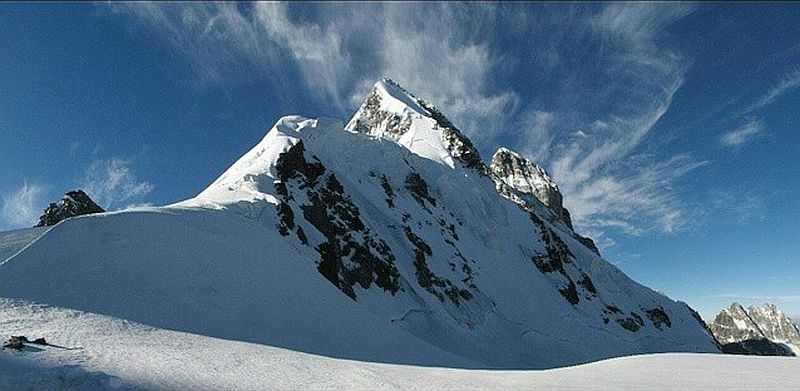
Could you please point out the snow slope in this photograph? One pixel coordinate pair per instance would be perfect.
(12, 242)
(101, 352)
(205, 272)
(385, 242)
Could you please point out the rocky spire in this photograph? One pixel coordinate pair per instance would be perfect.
(525, 177)
(74, 203)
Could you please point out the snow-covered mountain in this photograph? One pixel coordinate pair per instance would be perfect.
(388, 240)
(764, 330)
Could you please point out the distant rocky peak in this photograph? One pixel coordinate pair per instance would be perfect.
(393, 113)
(73, 203)
(526, 177)
(762, 330)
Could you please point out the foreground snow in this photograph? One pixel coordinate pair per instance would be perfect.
(97, 351)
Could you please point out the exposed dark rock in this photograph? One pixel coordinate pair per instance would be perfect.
(632, 323)
(350, 254)
(287, 218)
(387, 188)
(587, 284)
(440, 287)
(418, 188)
(702, 323)
(570, 293)
(612, 309)
(16, 342)
(757, 347)
(74, 203)
(658, 317)
(588, 242)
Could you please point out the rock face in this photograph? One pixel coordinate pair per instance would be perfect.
(516, 174)
(398, 212)
(762, 330)
(74, 203)
(527, 184)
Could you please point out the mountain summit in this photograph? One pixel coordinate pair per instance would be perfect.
(392, 112)
(387, 239)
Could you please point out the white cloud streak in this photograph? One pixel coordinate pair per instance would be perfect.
(786, 84)
(23, 207)
(738, 137)
(588, 137)
(607, 183)
(112, 182)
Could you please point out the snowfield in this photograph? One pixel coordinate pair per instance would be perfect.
(102, 352)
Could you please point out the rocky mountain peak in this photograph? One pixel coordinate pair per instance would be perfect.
(762, 330)
(73, 203)
(389, 213)
(393, 113)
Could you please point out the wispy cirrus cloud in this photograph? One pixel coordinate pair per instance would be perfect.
(609, 182)
(22, 207)
(739, 136)
(742, 205)
(787, 83)
(112, 183)
(603, 81)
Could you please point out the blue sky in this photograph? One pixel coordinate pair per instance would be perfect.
(672, 129)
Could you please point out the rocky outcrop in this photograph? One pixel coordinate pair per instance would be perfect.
(526, 183)
(764, 331)
(74, 203)
(523, 176)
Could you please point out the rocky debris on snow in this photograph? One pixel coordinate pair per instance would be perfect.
(18, 342)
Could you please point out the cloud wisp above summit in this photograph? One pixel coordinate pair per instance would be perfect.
(603, 80)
